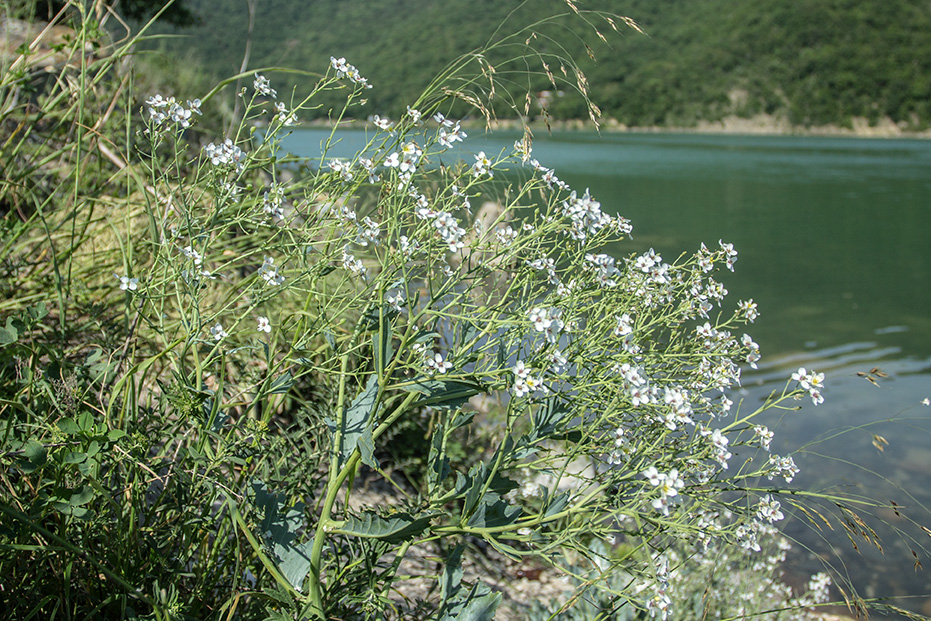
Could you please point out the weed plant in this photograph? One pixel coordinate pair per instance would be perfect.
(208, 357)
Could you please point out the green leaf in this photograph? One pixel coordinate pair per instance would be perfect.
(479, 604)
(8, 335)
(366, 446)
(115, 434)
(68, 426)
(81, 496)
(381, 344)
(38, 312)
(452, 576)
(479, 607)
(396, 528)
(440, 393)
(282, 384)
(557, 504)
(356, 419)
(494, 512)
(73, 457)
(279, 528)
(437, 462)
(36, 453)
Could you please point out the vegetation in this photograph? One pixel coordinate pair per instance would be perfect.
(812, 62)
(208, 353)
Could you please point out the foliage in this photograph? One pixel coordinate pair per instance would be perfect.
(205, 351)
(813, 62)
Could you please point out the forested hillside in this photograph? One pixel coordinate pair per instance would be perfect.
(813, 62)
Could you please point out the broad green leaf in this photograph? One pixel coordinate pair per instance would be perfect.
(81, 496)
(115, 434)
(479, 606)
(279, 527)
(440, 393)
(493, 512)
(73, 457)
(395, 528)
(35, 452)
(357, 418)
(452, 575)
(68, 426)
(8, 335)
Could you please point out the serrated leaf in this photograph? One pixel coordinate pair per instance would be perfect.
(395, 528)
(439, 393)
(356, 419)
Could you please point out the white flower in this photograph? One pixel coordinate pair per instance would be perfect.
(218, 332)
(436, 363)
(768, 509)
(263, 87)
(127, 283)
(482, 166)
(268, 272)
(264, 325)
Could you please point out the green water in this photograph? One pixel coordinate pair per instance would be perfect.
(834, 236)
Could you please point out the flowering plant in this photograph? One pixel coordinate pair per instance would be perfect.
(281, 329)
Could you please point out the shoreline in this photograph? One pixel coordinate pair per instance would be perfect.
(760, 125)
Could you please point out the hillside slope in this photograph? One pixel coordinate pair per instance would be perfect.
(812, 62)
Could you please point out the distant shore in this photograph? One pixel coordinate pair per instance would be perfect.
(763, 125)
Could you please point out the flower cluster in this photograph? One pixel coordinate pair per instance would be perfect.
(161, 111)
(268, 272)
(812, 382)
(345, 70)
(668, 485)
(225, 154)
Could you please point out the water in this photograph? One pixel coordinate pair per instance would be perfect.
(833, 235)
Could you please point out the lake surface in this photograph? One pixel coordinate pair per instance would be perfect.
(834, 236)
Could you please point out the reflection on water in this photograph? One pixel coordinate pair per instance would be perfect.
(834, 246)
